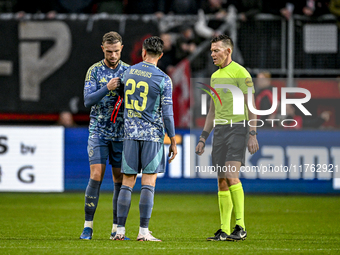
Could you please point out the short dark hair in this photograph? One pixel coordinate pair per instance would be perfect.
(226, 40)
(112, 38)
(153, 45)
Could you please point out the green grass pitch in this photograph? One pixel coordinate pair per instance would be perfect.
(52, 223)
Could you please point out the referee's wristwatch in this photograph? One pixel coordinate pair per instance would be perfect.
(252, 132)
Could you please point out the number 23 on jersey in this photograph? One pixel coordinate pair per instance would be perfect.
(134, 104)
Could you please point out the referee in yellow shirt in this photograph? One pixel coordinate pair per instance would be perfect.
(232, 136)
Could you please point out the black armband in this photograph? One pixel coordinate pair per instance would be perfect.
(120, 89)
(205, 135)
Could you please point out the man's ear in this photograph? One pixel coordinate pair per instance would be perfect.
(160, 56)
(143, 53)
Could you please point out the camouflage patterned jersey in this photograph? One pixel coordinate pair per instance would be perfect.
(148, 103)
(97, 95)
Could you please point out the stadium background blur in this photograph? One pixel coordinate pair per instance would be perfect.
(46, 48)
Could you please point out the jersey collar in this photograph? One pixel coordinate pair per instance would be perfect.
(149, 63)
(227, 65)
(114, 70)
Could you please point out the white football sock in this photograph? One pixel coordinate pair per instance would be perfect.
(114, 228)
(120, 230)
(88, 224)
(143, 231)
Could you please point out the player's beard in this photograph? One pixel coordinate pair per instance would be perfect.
(112, 63)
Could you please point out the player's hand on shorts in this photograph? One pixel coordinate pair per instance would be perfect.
(253, 145)
(113, 83)
(172, 152)
(200, 147)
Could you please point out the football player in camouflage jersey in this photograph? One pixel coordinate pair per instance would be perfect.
(106, 129)
(148, 114)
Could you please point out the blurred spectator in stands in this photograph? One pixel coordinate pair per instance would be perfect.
(220, 10)
(110, 6)
(35, 6)
(168, 60)
(290, 114)
(224, 21)
(75, 6)
(264, 96)
(304, 122)
(184, 6)
(186, 42)
(268, 33)
(334, 8)
(278, 7)
(219, 7)
(52, 7)
(311, 8)
(248, 9)
(6, 6)
(66, 119)
(247, 26)
(157, 7)
(145, 7)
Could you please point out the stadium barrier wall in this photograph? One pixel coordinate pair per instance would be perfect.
(32, 159)
(54, 159)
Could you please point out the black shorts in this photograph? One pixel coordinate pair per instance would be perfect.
(229, 144)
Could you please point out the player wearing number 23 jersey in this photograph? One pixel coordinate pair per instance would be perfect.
(148, 108)
(148, 97)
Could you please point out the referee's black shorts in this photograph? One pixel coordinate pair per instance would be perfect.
(229, 144)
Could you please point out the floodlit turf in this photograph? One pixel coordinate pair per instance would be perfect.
(52, 223)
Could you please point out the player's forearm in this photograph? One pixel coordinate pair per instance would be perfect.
(95, 97)
(252, 117)
(209, 122)
(173, 140)
(169, 124)
(168, 118)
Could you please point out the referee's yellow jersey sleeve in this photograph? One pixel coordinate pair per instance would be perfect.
(245, 81)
